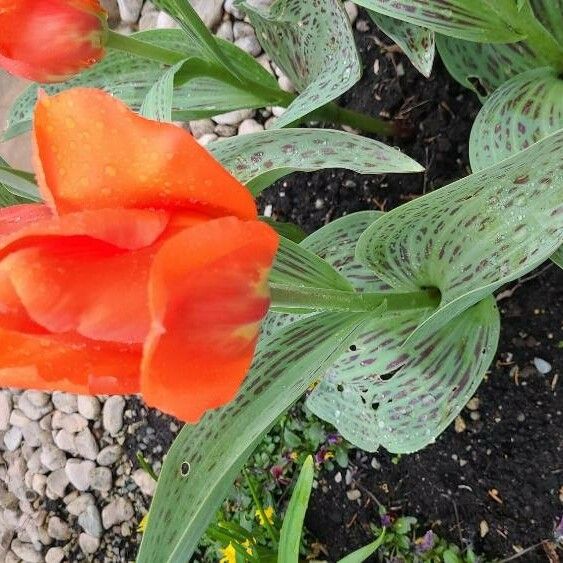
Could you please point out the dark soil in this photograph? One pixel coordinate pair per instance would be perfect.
(514, 440)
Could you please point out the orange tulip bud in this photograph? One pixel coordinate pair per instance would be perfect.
(147, 270)
(50, 40)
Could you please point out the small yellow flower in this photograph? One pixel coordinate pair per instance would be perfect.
(269, 513)
(229, 554)
(248, 546)
(329, 455)
(143, 524)
(293, 456)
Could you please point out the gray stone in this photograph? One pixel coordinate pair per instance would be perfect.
(58, 529)
(207, 138)
(130, 10)
(230, 8)
(65, 402)
(225, 31)
(250, 126)
(542, 366)
(65, 441)
(89, 520)
(352, 11)
(164, 21)
(18, 418)
(26, 552)
(250, 45)
(109, 455)
(52, 457)
(210, 11)
(243, 29)
(78, 473)
(31, 410)
(112, 414)
(88, 407)
(38, 398)
(112, 8)
(233, 117)
(72, 423)
(13, 438)
(80, 503)
(145, 482)
(226, 130)
(39, 483)
(86, 445)
(5, 409)
(57, 483)
(201, 127)
(149, 17)
(54, 555)
(117, 511)
(33, 435)
(100, 479)
(88, 544)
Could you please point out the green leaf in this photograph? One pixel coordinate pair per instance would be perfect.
(197, 32)
(473, 20)
(287, 230)
(258, 159)
(16, 186)
(295, 265)
(524, 110)
(483, 67)
(417, 42)
(292, 527)
(469, 238)
(363, 553)
(550, 14)
(403, 397)
(557, 257)
(404, 524)
(315, 48)
(216, 448)
(450, 556)
(130, 79)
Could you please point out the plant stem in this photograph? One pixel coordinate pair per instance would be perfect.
(260, 507)
(307, 299)
(330, 112)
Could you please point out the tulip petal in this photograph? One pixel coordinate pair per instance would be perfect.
(16, 217)
(92, 152)
(50, 40)
(208, 295)
(67, 363)
(127, 229)
(77, 284)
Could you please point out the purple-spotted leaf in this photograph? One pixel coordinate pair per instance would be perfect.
(417, 42)
(483, 67)
(402, 398)
(520, 113)
(205, 458)
(313, 44)
(469, 238)
(474, 20)
(259, 159)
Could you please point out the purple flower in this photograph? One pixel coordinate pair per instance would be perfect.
(385, 520)
(333, 439)
(558, 532)
(425, 543)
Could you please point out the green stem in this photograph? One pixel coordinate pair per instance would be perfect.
(307, 299)
(260, 507)
(278, 97)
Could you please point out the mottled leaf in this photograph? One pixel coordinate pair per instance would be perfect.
(205, 459)
(469, 238)
(474, 20)
(290, 231)
(550, 14)
(295, 265)
(259, 159)
(404, 397)
(417, 42)
(16, 186)
(130, 79)
(558, 257)
(521, 112)
(314, 47)
(483, 67)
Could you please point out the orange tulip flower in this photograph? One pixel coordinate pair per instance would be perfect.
(50, 40)
(145, 272)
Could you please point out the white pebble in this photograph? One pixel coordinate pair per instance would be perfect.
(542, 366)
(113, 414)
(88, 407)
(78, 473)
(250, 126)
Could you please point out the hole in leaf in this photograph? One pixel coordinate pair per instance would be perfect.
(375, 406)
(353, 347)
(387, 376)
(340, 387)
(185, 468)
(476, 82)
